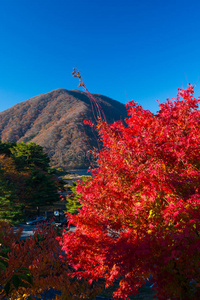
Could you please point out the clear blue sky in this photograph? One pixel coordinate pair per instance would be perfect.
(140, 50)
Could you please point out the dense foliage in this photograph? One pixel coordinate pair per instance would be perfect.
(140, 210)
(29, 268)
(25, 180)
(73, 205)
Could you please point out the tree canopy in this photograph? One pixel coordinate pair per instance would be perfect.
(30, 267)
(26, 180)
(140, 210)
(30, 156)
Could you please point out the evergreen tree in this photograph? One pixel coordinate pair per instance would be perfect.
(11, 209)
(41, 189)
(30, 156)
(5, 147)
(25, 172)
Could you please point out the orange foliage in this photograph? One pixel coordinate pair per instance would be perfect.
(35, 265)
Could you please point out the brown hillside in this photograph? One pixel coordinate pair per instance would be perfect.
(55, 121)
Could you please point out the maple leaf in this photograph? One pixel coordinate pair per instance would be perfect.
(137, 208)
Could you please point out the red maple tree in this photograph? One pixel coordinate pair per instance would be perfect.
(140, 210)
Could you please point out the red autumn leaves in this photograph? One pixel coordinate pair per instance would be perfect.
(140, 214)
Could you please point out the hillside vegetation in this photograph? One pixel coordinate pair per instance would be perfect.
(55, 121)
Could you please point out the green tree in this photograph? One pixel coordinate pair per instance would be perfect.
(30, 156)
(5, 147)
(11, 209)
(26, 172)
(73, 204)
(41, 189)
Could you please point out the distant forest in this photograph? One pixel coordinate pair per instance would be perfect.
(55, 121)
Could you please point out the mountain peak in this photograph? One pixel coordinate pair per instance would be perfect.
(54, 120)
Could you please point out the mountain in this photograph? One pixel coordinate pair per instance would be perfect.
(55, 121)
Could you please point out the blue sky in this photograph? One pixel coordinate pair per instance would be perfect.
(124, 49)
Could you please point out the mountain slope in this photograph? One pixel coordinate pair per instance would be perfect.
(55, 121)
